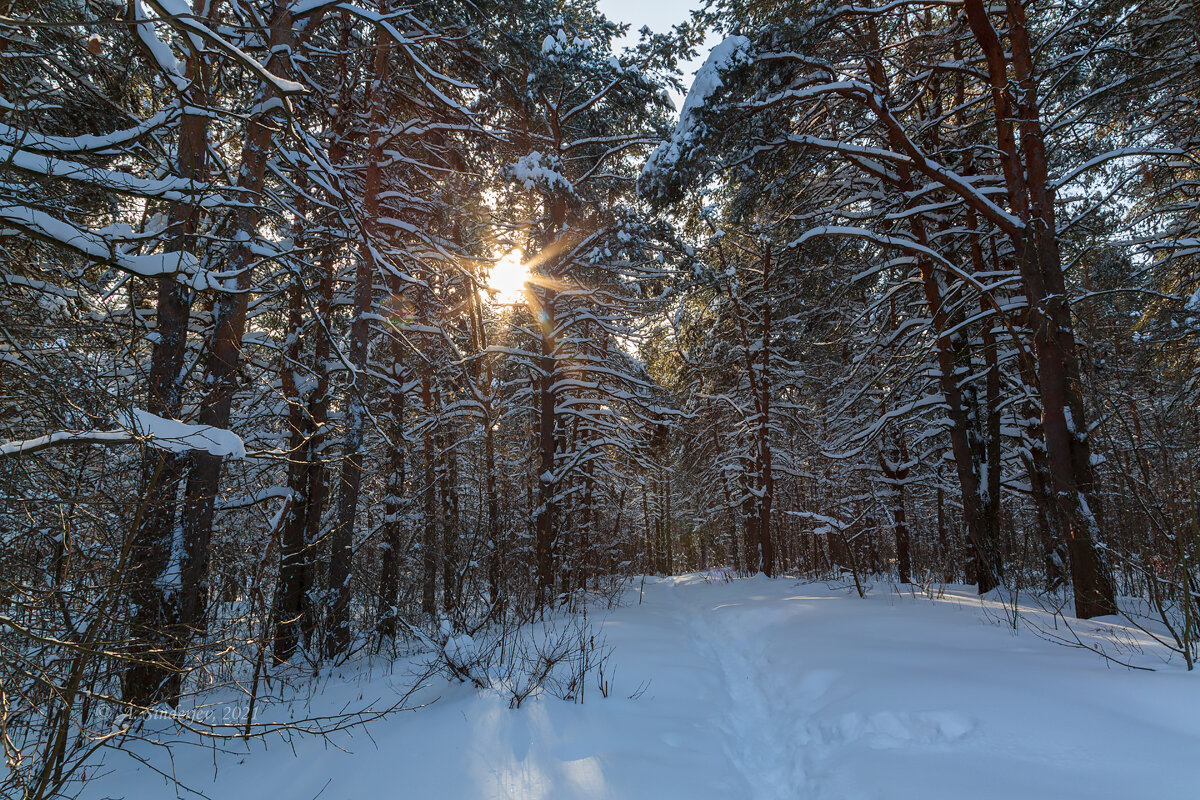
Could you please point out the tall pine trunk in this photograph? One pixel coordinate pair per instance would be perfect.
(225, 341)
(154, 603)
(1035, 243)
(294, 612)
(353, 450)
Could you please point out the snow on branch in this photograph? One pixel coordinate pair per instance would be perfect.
(97, 247)
(140, 426)
(171, 188)
(180, 437)
(542, 171)
(159, 50)
(87, 143)
(428, 76)
(25, 447)
(732, 52)
(886, 240)
(180, 17)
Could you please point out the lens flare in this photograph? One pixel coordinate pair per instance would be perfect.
(507, 279)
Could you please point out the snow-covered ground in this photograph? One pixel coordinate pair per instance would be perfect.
(763, 690)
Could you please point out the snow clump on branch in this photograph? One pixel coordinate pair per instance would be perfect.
(663, 167)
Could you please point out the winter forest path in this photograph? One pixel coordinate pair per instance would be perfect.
(759, 729)
(760, 689)
(776, 737)
(830, 696)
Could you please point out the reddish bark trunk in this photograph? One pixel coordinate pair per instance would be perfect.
(154, 612)
(1031, 198)
(350, 483)
(225, 342)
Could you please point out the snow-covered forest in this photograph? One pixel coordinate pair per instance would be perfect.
(349, 338)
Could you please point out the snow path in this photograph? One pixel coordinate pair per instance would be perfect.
(759, 690)
(774, 740)
(758, 745)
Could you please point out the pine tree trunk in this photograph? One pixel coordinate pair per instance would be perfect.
(429, 538)
(225, 344)
(765, 466)
(897, 473)
(448, 492)
(294, 612)
(1036, 250)
(149, 679)
(546, 405)
(354, 448)
(290, 592)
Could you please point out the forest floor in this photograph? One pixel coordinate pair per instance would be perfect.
(758, 689)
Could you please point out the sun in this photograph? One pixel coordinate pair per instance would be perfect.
(507, 279)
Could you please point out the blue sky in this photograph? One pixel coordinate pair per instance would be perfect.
(659, 15)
